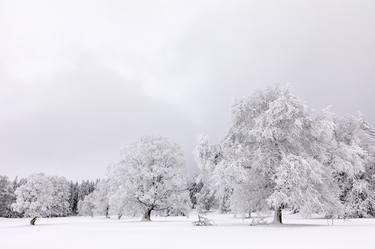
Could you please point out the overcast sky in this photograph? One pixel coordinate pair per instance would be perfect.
(79, 79)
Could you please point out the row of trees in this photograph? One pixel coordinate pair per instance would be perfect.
(277, 155)
(151, 177)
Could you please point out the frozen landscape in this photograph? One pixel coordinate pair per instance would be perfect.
(178, 232)
(169, 124)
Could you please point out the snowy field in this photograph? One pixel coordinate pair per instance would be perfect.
(178, 232)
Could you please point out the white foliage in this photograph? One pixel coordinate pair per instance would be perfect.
(352, 160)
(208, 157)
(150, 176)
(60, 196)
(301, 186)
(43, 196)
(100, 198)
(86, 206)
(274, 138)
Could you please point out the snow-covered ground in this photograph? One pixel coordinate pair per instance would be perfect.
(178, 232)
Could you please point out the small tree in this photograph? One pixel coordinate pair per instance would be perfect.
(86, 206)
(150, 177)
(100, 199)
(207, 157)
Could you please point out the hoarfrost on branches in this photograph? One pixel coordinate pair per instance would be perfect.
(151, 176)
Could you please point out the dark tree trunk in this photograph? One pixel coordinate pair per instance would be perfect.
(119, 216)
(32, 222)
(107, 212)
(278, 219)
(147, 215)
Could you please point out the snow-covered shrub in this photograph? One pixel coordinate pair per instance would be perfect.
(203, 221)
(258, 221)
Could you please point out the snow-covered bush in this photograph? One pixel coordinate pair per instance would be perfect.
(203, 221)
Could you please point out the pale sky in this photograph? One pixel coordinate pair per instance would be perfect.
(79, 79)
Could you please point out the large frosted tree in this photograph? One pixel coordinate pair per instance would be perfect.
(151, 176)
(274, 141)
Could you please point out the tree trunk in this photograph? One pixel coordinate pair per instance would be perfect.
(119, 216)
(278, 219)
(107, 212)
(147, 215)
(32, 222)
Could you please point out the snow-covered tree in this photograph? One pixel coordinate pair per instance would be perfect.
(149, 177)
(96, 202)
(60, 203)
(77, 192)
(207, 156)
(42, 196)
(352, 160)
(86, 206)
(35, 197)
(101, 199)
(194, 187)
(7, 197)
(273, 138)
